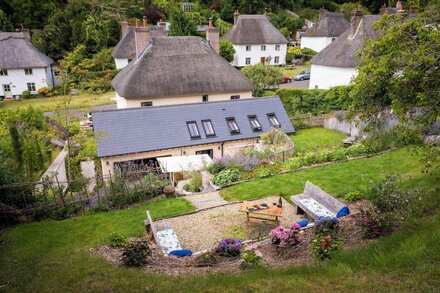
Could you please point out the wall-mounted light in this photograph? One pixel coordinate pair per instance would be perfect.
(184, 152)
(219, 147)
(107, 163)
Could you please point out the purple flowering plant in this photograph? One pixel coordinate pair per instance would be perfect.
(229, 247)
(247, 163)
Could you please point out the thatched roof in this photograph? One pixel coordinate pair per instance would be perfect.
(17, 52)
(177, 66)
(126, 47)
(136, 130)
(331, 24)
(254, 29)
(342, 52)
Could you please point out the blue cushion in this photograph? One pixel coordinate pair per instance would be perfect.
(181, 253)
(343, 212)
(303, 223)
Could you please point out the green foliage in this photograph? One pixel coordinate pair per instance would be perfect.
(136, 253)
(223, 26)
(118, 239)
(215, 167)
(353, 196)
(195, 183)
(227, 51)
(251, 260)
(324, 247)
(182, 24)
(387, 195)
(227, 177)
(26, 95)
(316, 102)
(5, 22)
(262, 76)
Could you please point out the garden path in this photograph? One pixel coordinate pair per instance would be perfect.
(206, 200)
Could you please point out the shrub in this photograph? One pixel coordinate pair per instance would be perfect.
(118, 239)
(324, 246)
(206, 260)
(326, 225)
(356, 150)
(286, 236)
(251, 260)
(227, 177)
(239, 161)
(195, 183)
(293, 163)
(26, 95)
(44, 91)
(169, 190)
(229, 247)
(353, 196)
(264, 172)
(387, 195)
(136, 253)
(216, 167)
(375, 223)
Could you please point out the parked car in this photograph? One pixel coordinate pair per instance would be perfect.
(286, 79)
(303, 75)
(87, 122)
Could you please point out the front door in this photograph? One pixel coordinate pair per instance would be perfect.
(209, 152)
(7, 91)
(263, 60)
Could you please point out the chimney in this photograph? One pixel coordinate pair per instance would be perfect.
(383, 9)
(236, 15)
(321, 12)
(142, 36)
(124, 28)
(213, 37)
(356, 20)
(162, 25)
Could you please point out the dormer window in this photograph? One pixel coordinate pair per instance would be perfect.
(255, 124)
(273, 120)
(233, 126)
(193, 129)
(209, 129)
(28, 71)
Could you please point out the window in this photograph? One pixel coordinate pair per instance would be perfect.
(209, 129)
(209, 152)
(193, 129)
(31, 86)
(263, 47)
(276, 60)
(277, 47)
(56, 73)
(248, 61)
(129, 60)
(333, 39)
(28, 71)
(3, 72)
(248, 48)
(204, 98)
(233, 126)
(146, 104)
(255, 124)
(6, 87)
(273, 120)
(237, 97)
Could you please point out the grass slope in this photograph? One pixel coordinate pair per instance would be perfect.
(338, 178)
(312, 138)
(51, 104)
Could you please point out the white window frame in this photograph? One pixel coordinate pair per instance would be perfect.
(276, 59)
(28, 71)
(193, 129)
(31, 87)
(208, 127)
(246, 61)
(3, 72)
(248, 48)
(277, 47)
(263, 47)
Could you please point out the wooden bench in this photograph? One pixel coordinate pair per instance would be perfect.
(162, 234)
(316, 202)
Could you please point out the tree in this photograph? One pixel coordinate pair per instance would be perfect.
(400, 70)
(350, 7)
(5, 22)
(262, 76)
(182, 24)
(227, 51)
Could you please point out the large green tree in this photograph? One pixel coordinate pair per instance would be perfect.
(262, 76)
(227, 51)
(5, 22)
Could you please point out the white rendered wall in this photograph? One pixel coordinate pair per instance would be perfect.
(315, 43)
(324, 77)
(123, 103)
(121, 63)
(17, 79)
(255, 54)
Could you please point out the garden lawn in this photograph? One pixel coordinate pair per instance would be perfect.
(292, 72)
(312, 138)
(338, 178)
(51, 103)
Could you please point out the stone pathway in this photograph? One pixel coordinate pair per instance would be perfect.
(206, 200)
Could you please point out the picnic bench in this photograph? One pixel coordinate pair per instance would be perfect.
(273, 213)
(315, 202)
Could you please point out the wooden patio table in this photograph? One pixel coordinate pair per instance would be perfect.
(273, 211)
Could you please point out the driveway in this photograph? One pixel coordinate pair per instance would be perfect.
(302, 84)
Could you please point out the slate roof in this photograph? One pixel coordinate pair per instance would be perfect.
(126, 47)
(332, 24)
(17, 52)
(178, 66)
(136, 130)
(342, 52)
(254, 29)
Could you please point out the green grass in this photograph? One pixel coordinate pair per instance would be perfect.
(53, 256)
(51, 104)
(312, 138)
(338, 178)
(292, 72)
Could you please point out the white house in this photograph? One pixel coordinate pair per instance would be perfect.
(256, 40)
(125, 49)
(22, 66)
(329, 26)
(336, 64)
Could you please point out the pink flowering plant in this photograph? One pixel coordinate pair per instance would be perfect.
(286, 236)
(324, 246)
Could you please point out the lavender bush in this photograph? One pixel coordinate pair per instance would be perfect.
(245, 163)
(229, 247)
